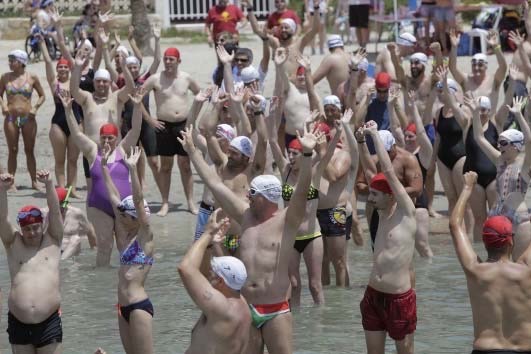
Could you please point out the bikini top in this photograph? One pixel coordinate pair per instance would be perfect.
(25, 90)
(134, 254)
(287, 191)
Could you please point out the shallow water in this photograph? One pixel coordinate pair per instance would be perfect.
(89, 298)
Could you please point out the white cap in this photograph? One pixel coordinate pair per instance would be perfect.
(226, 131)
(132, 60)
(387, 138)
(122, 50)
(292, 24)
(102, 74)
(452, 84)
(129, 206)
(406, 39)
(480, 57)
(513, 135)
(87, 43)
(335, 41)
(332, 99)
(231, 269)
(484, 102)
(243, 144)
(420, 57)
(19, 55)
(363, 65)
(268, 186)
(249, 74)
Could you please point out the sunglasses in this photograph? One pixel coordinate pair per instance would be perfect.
(24, 214)
(241, 60)
(382, 91)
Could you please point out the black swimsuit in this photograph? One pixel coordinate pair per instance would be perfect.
(476, 160)
(422, 200)
(451, 147)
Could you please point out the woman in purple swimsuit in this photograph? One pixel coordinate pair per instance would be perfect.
(100, 211)
(134, 240)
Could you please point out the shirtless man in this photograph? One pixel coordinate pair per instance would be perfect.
(170, 88)
(334, 66)
(389, 303)
(520, 88)
(499, 288)
(404, 47)
(268, 234)
(225, 322)
(33, 254)
(293, 43)
(479, 82)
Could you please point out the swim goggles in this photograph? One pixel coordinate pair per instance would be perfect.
(24, 214)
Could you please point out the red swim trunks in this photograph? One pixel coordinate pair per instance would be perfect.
(394, 313)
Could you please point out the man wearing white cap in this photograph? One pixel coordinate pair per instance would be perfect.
(334, 66)
(268, 234)
(479, 82)
(405, 45)
(521, 57)
(225, 320)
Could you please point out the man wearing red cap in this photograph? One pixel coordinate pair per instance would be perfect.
(389, 303)
(170, 88)
(33, 254)
(498, 287)
(223, 17)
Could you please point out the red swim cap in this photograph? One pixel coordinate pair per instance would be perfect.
(109, 129)
(301, 70)
(61, 193)
(295, 144)
(382, 81)
(379, 183)
(28, 215)
(63, 61)
(172, 52)
(323, 127)
(497, 231)
(412, 128)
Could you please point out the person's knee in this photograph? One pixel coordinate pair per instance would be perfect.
(13, 149)
(28, 150)
(295, 283)
(316, 287)
(184, 164)
(166, 166)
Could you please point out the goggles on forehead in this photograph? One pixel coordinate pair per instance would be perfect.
(507, 142)
(24, 214)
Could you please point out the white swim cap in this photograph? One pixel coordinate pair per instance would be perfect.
(363, 65)
(480, 57)
(406, 39)
(333, 100)
(231, 269)
(128, 206)
(226, 131)
(513, 135)
(19, 55)
(122, 50)
(243, 144)
(132, 60)
(387, 138)
(249, 74)
(292, 24)
(87, 43)
(420, 57)
(484, 102)
(452, 84)
(102, 74)
(335, 41)
(268, 186)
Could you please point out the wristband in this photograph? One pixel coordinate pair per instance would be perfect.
(498, 46)
(307, 154)
(250, 8)
(361, 141)
(258, 113)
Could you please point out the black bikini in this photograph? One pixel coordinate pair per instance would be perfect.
(476, 160)
(451, 147)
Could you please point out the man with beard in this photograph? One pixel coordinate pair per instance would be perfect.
(223, 17)
(268, 235)
(170, 88)
(479, 82)
(274, 18)
(405, 45)
(389, 303)
(335, 66)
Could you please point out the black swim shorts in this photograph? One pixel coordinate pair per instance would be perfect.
(39, 335)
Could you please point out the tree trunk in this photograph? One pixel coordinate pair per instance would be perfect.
(140, 21)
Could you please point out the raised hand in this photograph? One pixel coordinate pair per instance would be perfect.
(66, 99)
(187, 141)
(391, 47)
(56, 17)
(518, 103)
(43, 176)
(204, 94)
(258, 103)
(454, 38)
(155, 29)
(117, 39)
(218, 229)
(513, 72)
(347, 116)
(105, 154)
(470, 179)
(304, 62)
(281, 55)
(130, 32)
(80, 58)
(6, 181)
(223, 56)
(134, 155)
(442, 74)
(493, 39)
(104, 37)
(435, 47)
(106, 17)
(237, 94)
(517, 38)
(359, 135)
(370, 127)
(394, 94)
(308, 140)
(411, 98)
(357, 56)
(138, 95)
(471, 102)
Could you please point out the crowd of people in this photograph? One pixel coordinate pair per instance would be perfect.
(379, 139)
